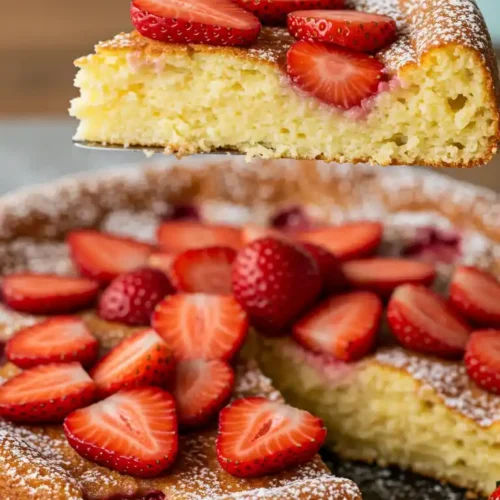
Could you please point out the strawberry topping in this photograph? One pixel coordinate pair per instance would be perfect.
(201, 326)
(482, 359)
(57, 340)
(258, 437)
(162, 261)
(133, 432)
(291, 218)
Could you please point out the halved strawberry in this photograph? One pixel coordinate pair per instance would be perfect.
(348, 28)
(201, 326)
(476, 295)
(103, 257)
(348, 241)
(258, 437)
(48, 293)
(291, 218)
(211, 22)
(422, 321)
(482, 359)
(200, 390)
(139, 360)
(133, 432)
(57, 340)
(275, 11)
(382, 275)
(46, 393)
(179, 236)
(496, 494)
(162, 261)
(344, 326)
(337, 76)
(204, 270)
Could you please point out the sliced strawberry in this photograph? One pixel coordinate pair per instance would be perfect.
(57, 340)
(275, 281)
(103, 257)
(275, 11)
(252, 232)
(348, 28)
(482, 359)
(344, 326)
(339, 77)
(200, 390)
(46, 393)
(139, 360)
(47, 293)
(496, 494)
(179, 236)
(204, 270)
(258, 437)
(383, 275)
(211, 22)
(133, 432)
(162, 261)
(422, 321)
(131, 298)
(476, 295)
(348, 241)
(201, 326)
(292, 218)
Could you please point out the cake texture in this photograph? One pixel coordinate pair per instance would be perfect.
(439, 106)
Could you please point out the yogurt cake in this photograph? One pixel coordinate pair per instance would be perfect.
(433, 99)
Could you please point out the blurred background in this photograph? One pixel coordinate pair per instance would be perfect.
(38, 43)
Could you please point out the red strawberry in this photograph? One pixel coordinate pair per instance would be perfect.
(336, 76)
(103, 257)
(329, 267)
(422, 321)
(211, 22)
(258, 437)
(348, 241)
(344, 326)
(179, 236)
(201, 326)
(275, 11)
(141, 359)
(133, 432)
(47, 293)
(200, 390)
(476, 295)
(274, 281)
(496, 494)
(482, 359)
(252, 232)
(131, 298)
(204, 270)
(46, 393)
(383, 275)
(57, 340)
(162, 261)
(348, 28)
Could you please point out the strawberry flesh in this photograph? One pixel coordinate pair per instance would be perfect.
(133, 432)
(63, 339)
(162, 261)
(482, 359)
(258, 437)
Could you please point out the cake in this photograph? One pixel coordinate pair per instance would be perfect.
(436, 103)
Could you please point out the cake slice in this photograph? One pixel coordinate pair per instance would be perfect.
(436, 101)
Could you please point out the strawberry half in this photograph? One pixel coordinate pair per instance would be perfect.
(482, 359)
(348, 28)
(46, 393)
(211, 22)
(133, 432)
(139, 360)
(201, 326)
(344, 326)
(336, 76)
(258, 437)
(383, 275)
(496, 494)
(47, 293)
(476, 295)
(179, 236)
(422, 321)
(204, 270)
(57, 340)
(103, 257)
(275, 11)
(200, 390)
(348, 241)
